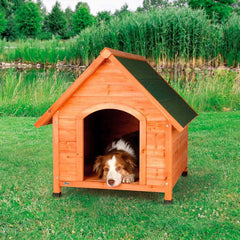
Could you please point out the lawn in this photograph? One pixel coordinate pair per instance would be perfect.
(206, 203)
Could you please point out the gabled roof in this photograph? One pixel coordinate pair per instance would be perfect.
(135, 67)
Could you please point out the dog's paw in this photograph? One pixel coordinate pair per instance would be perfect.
(128, 178)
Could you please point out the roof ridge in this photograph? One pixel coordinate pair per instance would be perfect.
(107, 52)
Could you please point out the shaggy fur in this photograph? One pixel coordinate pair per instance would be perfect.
(119, 164)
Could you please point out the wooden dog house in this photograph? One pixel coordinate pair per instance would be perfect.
(119, 93)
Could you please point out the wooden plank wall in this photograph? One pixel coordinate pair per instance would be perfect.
(108, 85)
(68, 157)
(156, 140)
(180, 151)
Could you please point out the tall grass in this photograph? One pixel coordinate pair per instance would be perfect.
(231, 39)
(31, 93)
(36, 51)
(217, 92)
(164, 35)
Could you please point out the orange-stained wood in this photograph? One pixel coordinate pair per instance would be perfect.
(56, 170)
(45, 119)
(169, 163)
(80, 148)
(107, 52)
(180, 151)
(100, 184)
(142, 150)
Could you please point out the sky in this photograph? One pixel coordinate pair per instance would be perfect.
(95, 5)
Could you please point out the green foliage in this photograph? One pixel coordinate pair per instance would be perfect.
(219, 9)
(3, 23)
(162, 34)
(153, 4)
(28, 19)
(81, 19)
(103, 17)
(56, 22)
(123, 12)
(165, 35)
(231, 34)
(205, 204)
(31, 93)
(218, 92)
(9, 9)
(69, 15)
(82, 4)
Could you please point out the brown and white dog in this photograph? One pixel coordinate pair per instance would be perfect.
(119, 164)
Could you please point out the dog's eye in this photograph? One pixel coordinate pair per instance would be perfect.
(118, 168)
(105, 169)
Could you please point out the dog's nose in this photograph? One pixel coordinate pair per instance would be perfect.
(111, 182)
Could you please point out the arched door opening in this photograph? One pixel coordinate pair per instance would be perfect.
(101, 128)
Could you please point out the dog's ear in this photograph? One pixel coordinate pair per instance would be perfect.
(98, 166)
(131, 165)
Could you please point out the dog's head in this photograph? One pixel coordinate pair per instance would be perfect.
(114, 167)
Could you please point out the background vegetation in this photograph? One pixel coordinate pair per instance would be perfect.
(31, 93)
(205, 205)
(160, 30)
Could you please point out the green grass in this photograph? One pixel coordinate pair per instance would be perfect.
(206, 203)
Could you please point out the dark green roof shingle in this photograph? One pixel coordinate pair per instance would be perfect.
(160, 90)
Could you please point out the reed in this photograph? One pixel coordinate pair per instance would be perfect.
(31, 93)
(165, 35)
(218, 91)
(231, 38)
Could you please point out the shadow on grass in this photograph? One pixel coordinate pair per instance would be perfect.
(190, 188)
(195, 186)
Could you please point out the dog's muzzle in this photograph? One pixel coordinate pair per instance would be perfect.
(114, 179)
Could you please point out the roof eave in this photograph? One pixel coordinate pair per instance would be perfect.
(46, 118)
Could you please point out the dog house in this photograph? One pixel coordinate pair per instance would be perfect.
(119, 93)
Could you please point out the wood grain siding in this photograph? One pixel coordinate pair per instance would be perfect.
(102, 87)
(68, 149)
(156, 139)
(56, 169)
(180, 151)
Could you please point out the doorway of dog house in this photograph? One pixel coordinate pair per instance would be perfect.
(100, 129)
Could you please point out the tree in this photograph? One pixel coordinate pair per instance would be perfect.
(56, 22)
(180, 3)
(28, 19)
(68, 16)
(82, 4)
(82, 19)
(152, 4)
(123, 11)
(3, 23)
(236, 7)
(103, 17)
(219, 9)
(9, 9)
